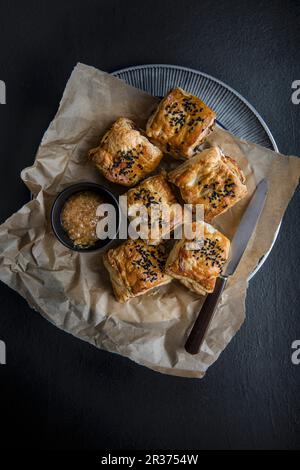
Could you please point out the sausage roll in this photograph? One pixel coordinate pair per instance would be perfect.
(125, 155)
(180, 124)
(212, 179)
(199, 268)
(163, 213)
(135, 268)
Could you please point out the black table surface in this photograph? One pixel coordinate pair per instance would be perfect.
(58, 392)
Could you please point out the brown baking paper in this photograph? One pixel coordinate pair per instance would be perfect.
(73, 290)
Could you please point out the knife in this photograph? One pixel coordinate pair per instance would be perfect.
(238, 246)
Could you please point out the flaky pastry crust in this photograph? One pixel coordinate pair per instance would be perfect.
(156, 193)
(180, 124)
(212, 179)
(125, 156)
(198, 269)
(135, 268)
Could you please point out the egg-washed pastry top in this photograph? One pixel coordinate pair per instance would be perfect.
(180, 123)
(163, 211)
(212, 179)
(125, 155)
(198, 269)
(135, 268)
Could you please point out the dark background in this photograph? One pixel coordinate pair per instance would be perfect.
(58, 392)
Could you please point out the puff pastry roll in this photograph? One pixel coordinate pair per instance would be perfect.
(198, 269)
(212, 179)
(159, 202)
(135, 268)
(125, 155)
(180, 124)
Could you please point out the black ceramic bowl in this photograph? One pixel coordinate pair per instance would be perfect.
(61, 199)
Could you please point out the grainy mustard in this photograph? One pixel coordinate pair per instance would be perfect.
(79, 219)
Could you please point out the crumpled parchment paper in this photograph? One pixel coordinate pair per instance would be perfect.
(73, 291)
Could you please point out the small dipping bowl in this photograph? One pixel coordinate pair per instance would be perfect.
(59, 203)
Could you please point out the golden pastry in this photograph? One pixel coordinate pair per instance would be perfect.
(125, 155)
(155, 196)
(198, 269)
(180, 124)
(135, 268)
(212, 179)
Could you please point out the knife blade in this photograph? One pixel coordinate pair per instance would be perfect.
(238, 246)
(246, 227)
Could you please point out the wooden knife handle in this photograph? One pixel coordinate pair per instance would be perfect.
(204, 318)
